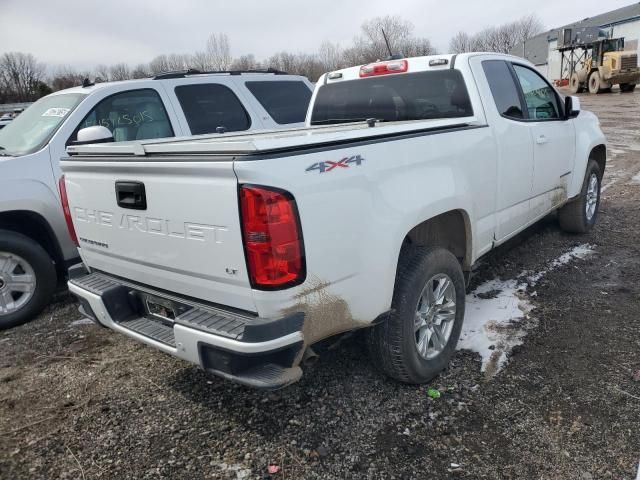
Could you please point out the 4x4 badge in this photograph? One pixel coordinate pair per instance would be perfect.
(329, 165)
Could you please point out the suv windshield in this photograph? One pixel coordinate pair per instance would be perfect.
(33, 128)
(392, 98)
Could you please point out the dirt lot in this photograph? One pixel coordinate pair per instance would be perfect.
(78, 401)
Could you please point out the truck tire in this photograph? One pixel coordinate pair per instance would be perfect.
(595, 82)
(419, 337)
(580, 214)
(27, 279)
(574, 84)
(627, 87)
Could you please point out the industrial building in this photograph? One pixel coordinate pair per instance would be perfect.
(542, 51)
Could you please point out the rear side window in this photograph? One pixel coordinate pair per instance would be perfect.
(503, 88)
(208, 106)
(391, 98)
(285, 101)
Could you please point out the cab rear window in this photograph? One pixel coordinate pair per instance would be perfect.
(392, 98)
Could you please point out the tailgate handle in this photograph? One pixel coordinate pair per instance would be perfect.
(131, 195)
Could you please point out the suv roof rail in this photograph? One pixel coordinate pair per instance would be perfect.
(193, 71)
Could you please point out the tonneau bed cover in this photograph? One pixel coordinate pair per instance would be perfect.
(268, 141)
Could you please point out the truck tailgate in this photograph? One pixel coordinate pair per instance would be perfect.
(173, 225)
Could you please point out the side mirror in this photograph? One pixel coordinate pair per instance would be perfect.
(95, 134)
(571, 107)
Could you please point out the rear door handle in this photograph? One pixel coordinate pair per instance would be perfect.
(131, 195)
(541, 140)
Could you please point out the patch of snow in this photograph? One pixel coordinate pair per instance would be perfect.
(492, 322)
(82, 321)
(581, 251)
(636, 178)
(497, 313)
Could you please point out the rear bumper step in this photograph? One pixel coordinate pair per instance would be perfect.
(254, 351)
(152, 329)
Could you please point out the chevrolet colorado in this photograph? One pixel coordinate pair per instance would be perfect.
(239, 252)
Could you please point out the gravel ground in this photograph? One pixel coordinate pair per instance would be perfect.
(78, 401)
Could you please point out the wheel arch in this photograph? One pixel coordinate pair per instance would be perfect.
(35, 226)
(450, 230)
(599, 154)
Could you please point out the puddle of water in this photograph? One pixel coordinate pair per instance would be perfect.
(497, 313)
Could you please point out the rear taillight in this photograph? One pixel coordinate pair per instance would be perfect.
(384, 68)
(67, 211)
(272, 237)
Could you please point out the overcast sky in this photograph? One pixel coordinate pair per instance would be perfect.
(85, 33)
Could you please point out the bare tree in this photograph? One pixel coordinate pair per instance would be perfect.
(218, 52)
(178, 61)
(283, 61)
(371, 44)
(330, 56)
(66, 77)
(354, 56)
(141, 71)
(296, 64)
(20, 76)
(245, 62)
(119, 71)
(528, 26)
(419, 47)
(159, 64)
(372, 41)
(501, 38)
(461, 43)
(101, 73)
(308, 66)
(200, 61)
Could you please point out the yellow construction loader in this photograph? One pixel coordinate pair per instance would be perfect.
(602, 64)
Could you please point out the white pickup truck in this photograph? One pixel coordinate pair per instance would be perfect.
(239, 252)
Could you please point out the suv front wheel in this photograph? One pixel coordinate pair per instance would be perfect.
(27, 279)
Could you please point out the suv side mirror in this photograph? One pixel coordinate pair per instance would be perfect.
(571, 107)
(95, 134)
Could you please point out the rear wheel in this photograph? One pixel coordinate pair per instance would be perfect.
(595, 82)
(627, 87)
(574, 84)
(579, 215)
(27, 279)
(419, 338)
